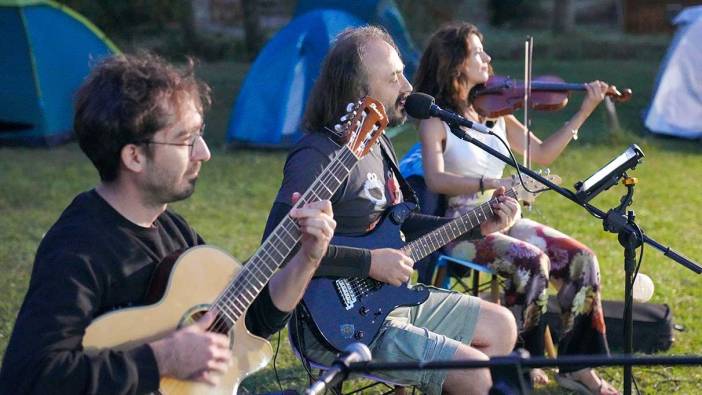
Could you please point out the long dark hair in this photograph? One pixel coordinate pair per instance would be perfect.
(128, 98)
(342, 78)
(441, 73)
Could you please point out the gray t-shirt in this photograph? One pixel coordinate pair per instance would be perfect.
(359, 202)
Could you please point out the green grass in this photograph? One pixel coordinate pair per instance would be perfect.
(236, 190)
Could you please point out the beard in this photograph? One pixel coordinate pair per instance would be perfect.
(185, 192)
(164, 192)
(397, 118)
(398, 115)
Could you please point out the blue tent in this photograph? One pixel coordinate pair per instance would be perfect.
(272, 99)
(676, 105)
(376, 12)
(270, 105)
(45, 52)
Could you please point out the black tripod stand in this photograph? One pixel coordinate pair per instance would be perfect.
(615, 220)
(630, 237)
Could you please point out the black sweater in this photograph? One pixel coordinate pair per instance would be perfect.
(90, 262)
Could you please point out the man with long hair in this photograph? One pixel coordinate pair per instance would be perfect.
(449, 325)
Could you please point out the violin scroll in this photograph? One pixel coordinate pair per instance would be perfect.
(617, 96)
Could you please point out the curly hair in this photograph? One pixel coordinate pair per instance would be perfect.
(126, 99)
(342, 78)
(441, 73)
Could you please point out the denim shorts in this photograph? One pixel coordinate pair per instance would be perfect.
(431, 331)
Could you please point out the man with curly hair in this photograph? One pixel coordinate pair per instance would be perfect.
(140, 121)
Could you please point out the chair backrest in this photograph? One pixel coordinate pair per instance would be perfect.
(412, 169)
(430, 203)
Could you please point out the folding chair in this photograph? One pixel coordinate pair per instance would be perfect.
(436, 268)
(493, 285)
(444, 276)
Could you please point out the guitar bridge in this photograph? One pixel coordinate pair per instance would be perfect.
(350, 290)
(346, 293)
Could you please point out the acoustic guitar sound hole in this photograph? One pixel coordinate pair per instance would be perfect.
(220, 324)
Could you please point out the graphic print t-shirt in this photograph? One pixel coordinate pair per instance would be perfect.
(370, 188)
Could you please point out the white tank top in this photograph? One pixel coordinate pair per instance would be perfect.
(464, 158)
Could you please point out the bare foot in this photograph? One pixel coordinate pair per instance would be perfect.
(538, 377)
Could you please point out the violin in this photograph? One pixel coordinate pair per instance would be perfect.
(502, 95)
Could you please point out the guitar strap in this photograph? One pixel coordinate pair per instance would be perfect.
(408, 194)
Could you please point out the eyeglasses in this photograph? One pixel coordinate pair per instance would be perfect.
(194, 139)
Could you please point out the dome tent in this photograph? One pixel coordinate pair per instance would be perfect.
(676, 106)
(46, 51)
(269, 108)
(272, 99)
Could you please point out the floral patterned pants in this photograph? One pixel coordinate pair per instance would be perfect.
(527, 256)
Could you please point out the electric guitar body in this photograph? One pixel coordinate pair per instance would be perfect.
(347, 310)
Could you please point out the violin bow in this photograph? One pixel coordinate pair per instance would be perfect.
(528, 52)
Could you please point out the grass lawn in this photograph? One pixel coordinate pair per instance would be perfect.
(236, 190)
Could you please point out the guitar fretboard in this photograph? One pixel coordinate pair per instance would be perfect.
(452, 230)
(441, 236)
(244, 288)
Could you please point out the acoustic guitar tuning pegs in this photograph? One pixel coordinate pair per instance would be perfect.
(337, 127)
(351, 106)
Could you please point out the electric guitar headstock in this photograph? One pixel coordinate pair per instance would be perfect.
(362, 125)
(527, 198)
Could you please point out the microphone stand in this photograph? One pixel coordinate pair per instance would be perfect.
(514, 359)
(629, 234)
(515, 362)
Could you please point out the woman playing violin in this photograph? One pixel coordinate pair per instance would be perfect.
(529, 254)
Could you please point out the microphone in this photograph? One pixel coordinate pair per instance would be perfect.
(354, 352)
(421, 106)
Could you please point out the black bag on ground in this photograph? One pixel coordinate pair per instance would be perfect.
(653, 325)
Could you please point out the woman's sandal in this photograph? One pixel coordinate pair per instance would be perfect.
(567, 381)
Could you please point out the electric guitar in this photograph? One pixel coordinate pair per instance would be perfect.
(204, 278)
(349, 310)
